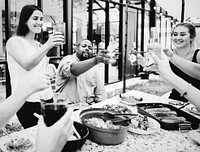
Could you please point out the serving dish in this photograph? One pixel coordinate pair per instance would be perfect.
(130, 100)
(117, 108)
(74, 144)
(176, 102)
(194, 110)
(169, 117)
(20, 139)
(100, 131)
(151, 127)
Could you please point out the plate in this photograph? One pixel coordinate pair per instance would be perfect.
(176, 102)
(117, 108)
(130, 100)
(24, 134)
(194, 110)
(154, 126)
(195, 136)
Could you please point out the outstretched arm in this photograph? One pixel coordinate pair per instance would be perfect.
(24, 58)
(55, 136)
(78, 68)
(183, 87)
(190, 68)
(13, 103)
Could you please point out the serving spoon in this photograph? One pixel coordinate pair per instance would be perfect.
(123, 121)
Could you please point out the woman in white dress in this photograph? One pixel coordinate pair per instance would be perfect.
(25, 56)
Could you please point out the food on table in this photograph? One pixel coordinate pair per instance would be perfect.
(131, 100)
(173, 119)
(165, 114)
(176, 102)
(161, 109)
(180, 121)
(195, 109)
(19, 145)
(117, 108)
(100, 123)
(10, 128)
(101, 130)
(142, 123)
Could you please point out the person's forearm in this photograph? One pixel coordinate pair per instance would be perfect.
(78, 68)
(12, 104)
(190, 68)
(36, 58)
(192, 93)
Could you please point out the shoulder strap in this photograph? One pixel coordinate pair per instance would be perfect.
(195, 55)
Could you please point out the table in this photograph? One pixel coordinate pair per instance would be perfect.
(164, 140)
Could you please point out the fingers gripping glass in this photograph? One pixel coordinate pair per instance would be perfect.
(53, 109)
(60, 27)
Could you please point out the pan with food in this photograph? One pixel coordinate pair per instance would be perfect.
(169, 117)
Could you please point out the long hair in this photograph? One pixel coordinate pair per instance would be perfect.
(25, 14)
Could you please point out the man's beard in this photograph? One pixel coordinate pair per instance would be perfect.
(85, 56)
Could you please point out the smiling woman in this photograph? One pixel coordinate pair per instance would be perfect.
(183, 36)
(26, 56)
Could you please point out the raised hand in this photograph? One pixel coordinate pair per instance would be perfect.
(162, 64)
(155, 47)
(103, 57)
(55, 136)
(169, 53)
(55, 39)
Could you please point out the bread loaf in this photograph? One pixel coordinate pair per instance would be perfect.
(172, 119)
(161, 109)
(164, 114)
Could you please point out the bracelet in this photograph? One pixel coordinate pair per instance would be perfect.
(186, 90)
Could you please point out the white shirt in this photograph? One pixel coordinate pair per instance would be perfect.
(87, 87)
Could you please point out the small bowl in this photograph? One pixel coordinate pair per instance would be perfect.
(73, 145)
(101, 135)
